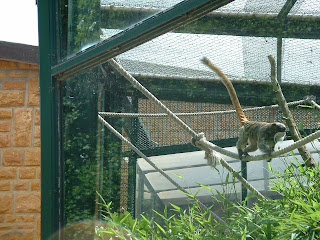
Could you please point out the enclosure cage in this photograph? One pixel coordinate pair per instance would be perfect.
(160, 44)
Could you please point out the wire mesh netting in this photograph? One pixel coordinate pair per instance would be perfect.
(304, 54)
(217, 121)
(306, 8)
(243, 56)
(301, 7)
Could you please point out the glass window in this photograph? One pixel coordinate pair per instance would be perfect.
(95, 162)
(85, 23)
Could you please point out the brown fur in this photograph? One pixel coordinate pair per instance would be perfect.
(260, 135)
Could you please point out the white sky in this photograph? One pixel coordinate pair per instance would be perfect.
(19, 21)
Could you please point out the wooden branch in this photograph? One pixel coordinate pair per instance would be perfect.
(303, 151)
(312, 102)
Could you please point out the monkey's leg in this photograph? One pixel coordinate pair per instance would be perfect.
(251, 147)
(242, 142)
(266, 147)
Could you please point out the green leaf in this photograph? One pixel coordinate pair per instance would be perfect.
(179, 176)
(162, 230)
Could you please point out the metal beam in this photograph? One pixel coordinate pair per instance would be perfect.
(148, 29)
(286, 8)
(49, 123)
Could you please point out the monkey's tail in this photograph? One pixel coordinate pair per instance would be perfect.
(230, 88)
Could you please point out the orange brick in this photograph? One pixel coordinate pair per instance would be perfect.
(38, 172)
(8, 64)
(5, 113)
(35, 186)
(1, 218)
(34, 73)
(22, 127)
(20, 185)
(27, 234)
(20, 218)
(32, 157)
(5, 140)
(7, 173)
(27, 173)
(36, 142)
(22, 234)
(33, 99)
(17, 73)
(4, 185)
(3, 74)
(25, 226)
(33, 92)
(12, 157)
(28, 202)
(36, 67)
(13, 85)
(6, 203)
(36, 131)
(37, 120)
(6, 226)
(12, 99)
(5, 126)
(24, 66)
(38, 228)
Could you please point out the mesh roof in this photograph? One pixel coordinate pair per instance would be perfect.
(177, 55)
(306, 7)
(302, 7)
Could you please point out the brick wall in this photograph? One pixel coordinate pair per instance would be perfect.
(19, 151)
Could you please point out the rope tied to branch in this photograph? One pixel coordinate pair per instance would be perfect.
(213, 158)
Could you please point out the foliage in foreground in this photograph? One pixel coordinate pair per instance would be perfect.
(295, 216)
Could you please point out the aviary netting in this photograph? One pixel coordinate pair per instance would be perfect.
(211, 150)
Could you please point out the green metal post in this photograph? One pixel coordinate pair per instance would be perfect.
(49, 142)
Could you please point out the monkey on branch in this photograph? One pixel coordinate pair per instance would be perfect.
(253, 135)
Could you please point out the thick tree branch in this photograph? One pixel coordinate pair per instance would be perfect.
(303, 151)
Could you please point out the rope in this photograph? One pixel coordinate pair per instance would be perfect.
(131, 115)
(119, 135)
(315, 104)
(150, 96)
(274, 154)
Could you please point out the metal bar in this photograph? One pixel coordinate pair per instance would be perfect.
(255, 25)
(148, 29)
(286, 8)
(244, 174)
(49, 134)
(279, 59)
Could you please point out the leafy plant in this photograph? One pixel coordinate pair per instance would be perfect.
(296, 215)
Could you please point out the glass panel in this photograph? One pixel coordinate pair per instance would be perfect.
(93, 158)
(85, 23)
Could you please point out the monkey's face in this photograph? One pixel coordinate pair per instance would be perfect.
(280, 131)
(279, 136)
(278, 127)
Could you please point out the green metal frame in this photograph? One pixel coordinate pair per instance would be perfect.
(51, 72)
(146, 30)
(49, 122)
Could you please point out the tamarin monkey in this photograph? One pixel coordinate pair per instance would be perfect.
(260, 135)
